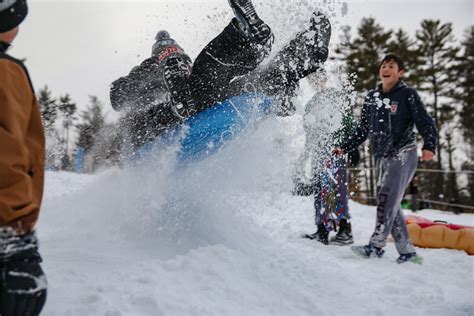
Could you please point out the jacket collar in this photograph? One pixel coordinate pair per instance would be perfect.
(400, 84)
(3, 47)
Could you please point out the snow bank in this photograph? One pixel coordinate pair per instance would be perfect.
(222, 238)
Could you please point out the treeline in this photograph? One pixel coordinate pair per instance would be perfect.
(441, 68)
(76, 141)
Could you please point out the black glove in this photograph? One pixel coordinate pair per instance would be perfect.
(22, 281)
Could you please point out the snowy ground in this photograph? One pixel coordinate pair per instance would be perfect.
(222, 238)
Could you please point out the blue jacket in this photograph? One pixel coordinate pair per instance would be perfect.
(389, 118)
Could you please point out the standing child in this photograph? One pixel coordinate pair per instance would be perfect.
(325, 122)
(22, 282)
(389, 114)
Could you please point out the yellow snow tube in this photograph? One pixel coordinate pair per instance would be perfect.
(428, 234)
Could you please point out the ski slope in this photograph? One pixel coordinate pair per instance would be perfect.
(222, 238)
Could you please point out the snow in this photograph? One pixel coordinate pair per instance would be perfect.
(222, 237)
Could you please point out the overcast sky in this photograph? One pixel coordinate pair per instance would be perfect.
(81, 46)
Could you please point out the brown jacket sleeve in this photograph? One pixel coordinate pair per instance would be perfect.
(21, 149)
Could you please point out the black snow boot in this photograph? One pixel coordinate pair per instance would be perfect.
(344, 235)
(176, 77)
(321, 235)
(317, 37)
(302, 56)
(249, 21)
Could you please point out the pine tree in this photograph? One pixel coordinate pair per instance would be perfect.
(92, 120)
(452, 190)
(402, 45)
(437, 57)
(48, 107)
(465, 82)
(364, 52)
(89, 130)
(67, 109)
(437, 54)
(464, 94)
(49, 114)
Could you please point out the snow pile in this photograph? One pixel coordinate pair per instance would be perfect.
(222, 238)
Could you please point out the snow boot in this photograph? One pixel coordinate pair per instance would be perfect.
(368, 251)
(302, 56)
(319, 42)
(321, 235)
(344, 235)
(249, 22)
(410, 257)
(176, 77)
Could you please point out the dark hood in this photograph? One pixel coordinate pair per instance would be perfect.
(400, 85)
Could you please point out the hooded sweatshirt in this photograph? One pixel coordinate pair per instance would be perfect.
(144, 87)
(389, 119)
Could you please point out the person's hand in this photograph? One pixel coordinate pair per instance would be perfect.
(427, 155)
(338, 151)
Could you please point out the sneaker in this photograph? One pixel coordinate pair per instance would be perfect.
(344, 235)
(250, 23)
(368, 251)
(321, 235)
(410, 257)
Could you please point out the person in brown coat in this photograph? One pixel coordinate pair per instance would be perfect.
(22, 282)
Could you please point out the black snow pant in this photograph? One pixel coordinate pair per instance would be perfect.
(226, 57)
(228, 66)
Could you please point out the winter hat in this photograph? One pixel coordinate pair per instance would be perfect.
(162, 41)
(12, 13)
(161, 35)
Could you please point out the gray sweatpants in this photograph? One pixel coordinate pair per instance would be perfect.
(395, 173)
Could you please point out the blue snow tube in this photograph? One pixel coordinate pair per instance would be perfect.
(206, 132)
